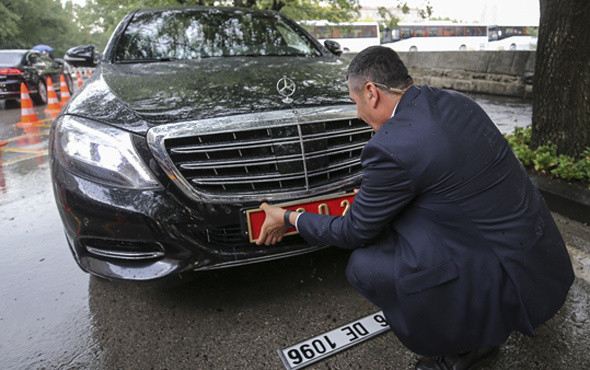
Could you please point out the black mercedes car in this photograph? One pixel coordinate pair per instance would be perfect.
(194, 116)
(31, 67)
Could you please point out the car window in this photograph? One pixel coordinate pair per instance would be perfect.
(50, 63)
(36, 60)
(32, 59)
(203, 34)
(10, 58)
(292, 39)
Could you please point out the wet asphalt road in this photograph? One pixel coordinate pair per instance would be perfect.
(54, 316)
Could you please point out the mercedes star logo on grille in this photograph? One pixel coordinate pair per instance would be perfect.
(286, 87)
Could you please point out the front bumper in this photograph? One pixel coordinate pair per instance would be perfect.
(9, 90)
(210, 171)
(149, 234)
(10, 86)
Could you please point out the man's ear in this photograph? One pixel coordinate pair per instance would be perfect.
(369, 88)
(372, 93)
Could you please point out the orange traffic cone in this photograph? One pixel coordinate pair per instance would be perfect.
(89, 74)
(32, 132)
(28, 115)
(79, 80)
(53, 107)
(63, 90)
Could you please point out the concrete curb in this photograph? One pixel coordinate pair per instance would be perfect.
(566, 199)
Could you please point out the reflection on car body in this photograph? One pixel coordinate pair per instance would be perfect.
(184, 124)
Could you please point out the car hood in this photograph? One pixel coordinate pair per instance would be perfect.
(138, 96)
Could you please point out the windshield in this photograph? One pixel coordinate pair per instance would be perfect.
(192, 34)
(10, 58)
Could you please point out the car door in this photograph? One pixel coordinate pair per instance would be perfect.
(31, 71)
(53, 70)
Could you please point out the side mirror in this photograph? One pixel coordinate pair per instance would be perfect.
(82, 56)
(333, 47)
(60, 62)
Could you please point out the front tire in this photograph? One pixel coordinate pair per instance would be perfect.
(69, 83)
(40, 98)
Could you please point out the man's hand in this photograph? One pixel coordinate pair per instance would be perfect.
(273, 228)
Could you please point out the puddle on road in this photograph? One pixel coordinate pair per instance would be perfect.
(44, 316)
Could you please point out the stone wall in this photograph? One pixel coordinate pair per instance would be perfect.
(490, 72)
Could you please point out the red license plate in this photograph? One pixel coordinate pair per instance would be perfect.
(336, 205)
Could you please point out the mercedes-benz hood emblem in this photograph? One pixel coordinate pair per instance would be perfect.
(286, 87)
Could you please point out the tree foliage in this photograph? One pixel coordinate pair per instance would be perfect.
(333, 11)
(391, 20)
(26, 23)
(10, 21)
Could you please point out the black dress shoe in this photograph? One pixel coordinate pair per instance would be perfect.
(468, 361)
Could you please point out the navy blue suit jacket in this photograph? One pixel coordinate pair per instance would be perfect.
(452, 240)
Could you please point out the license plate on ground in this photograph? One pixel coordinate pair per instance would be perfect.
(336, 205)
(319, 347)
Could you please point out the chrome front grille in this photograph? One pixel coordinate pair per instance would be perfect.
(261, 156)
(230, 240)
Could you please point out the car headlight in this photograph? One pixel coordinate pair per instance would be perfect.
(100, 153)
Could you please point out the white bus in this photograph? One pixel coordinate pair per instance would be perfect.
(510, 37)
(352, 37)
(449, 36)
(440, 36)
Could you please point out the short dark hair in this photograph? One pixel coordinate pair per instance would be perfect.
(378, 64)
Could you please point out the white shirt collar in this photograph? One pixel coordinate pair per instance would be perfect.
(394, 109)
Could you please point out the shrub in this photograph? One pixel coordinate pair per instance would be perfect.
(545, 158)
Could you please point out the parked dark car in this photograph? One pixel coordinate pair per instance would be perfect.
(31, 67)
(193, 116)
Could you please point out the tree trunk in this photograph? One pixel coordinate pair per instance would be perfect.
(561, 86)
